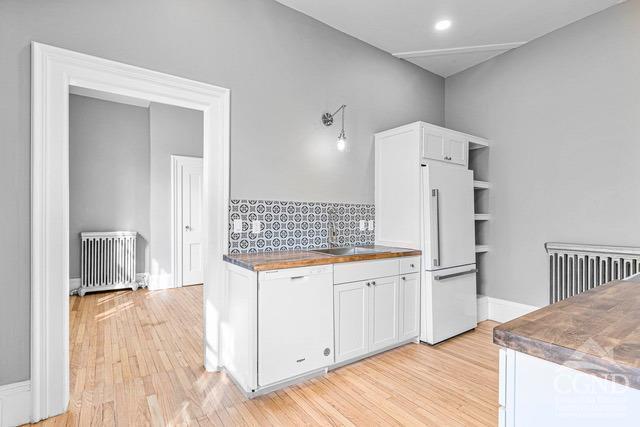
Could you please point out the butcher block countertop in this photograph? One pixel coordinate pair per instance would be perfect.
(263, 261)
(596, 332)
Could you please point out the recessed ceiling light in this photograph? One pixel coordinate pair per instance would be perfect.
(443, 25)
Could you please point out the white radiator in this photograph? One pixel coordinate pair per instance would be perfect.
(107, 261)
(575, 268)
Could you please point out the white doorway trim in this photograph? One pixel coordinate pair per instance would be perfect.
(53, 72)
(176, 218)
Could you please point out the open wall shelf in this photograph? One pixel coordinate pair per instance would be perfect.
(477, 143)
(479, 164)
(480, 249)
(481, 185)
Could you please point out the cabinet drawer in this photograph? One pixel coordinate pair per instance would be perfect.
(409, 265)
(364, 270)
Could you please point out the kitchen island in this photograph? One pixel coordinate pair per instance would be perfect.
(292, 315)
(574, 363)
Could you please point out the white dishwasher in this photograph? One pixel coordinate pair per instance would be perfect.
(295, 322)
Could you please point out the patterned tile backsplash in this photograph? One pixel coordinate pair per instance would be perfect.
(297, 225)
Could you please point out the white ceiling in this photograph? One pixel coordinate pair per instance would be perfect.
(481, 29)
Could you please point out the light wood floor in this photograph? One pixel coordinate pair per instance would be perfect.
(136, 359)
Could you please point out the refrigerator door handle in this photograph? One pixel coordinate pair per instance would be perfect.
(435, 227)
(451, 276)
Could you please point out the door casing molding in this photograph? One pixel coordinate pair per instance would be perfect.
(53, 72)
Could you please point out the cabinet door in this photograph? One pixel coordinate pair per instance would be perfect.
(433, 145)
(351, 314)
(383, 324)
(409, 322)
(456, 149)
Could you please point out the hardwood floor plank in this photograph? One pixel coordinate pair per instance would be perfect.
(136, 359)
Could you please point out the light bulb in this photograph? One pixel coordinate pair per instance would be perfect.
(443, 25)
(342, 143)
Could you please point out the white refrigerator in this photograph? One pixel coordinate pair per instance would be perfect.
(448, 293)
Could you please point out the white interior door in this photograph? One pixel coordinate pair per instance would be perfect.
(190, 204)
(448, 212)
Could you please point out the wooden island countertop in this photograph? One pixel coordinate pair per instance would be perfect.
(596, 332)
(264, 261)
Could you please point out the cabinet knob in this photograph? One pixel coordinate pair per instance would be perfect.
(373, 283)
(368, 284)
(404, 278)
(412, 265)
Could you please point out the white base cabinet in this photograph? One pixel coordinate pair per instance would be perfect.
(351, 317)
(383, 313)
(535, 392)
(409, 315)
(377, 313)
(283, 326)
(366, 317)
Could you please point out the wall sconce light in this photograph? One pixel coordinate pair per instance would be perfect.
(327, 120)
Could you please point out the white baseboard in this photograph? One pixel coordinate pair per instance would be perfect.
(74, 284)
(483, 308)
(501, 310)
(142, 279)
(15, 404)
(161, 281)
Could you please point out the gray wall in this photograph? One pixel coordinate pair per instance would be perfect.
(108, 173)
(563, 113)
(283, 70)
(176, 131)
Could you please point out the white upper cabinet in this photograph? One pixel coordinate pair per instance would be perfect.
(433, 145)
(399, 154)
(397, 187)
(457, 149)
(443, 145)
